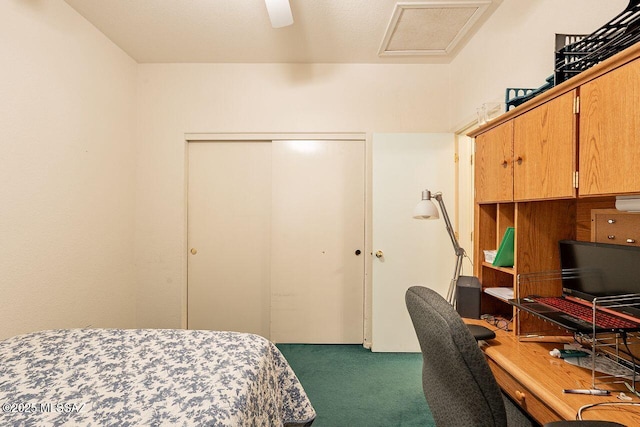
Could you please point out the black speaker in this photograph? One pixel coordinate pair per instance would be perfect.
(468, 293)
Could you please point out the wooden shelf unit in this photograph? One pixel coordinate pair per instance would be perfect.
(543, 167)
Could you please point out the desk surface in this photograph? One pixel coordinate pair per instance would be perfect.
(544, 377)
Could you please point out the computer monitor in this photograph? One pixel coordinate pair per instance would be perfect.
(600, 269)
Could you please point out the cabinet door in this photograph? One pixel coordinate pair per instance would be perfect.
(609, 132)
(544, 141)
(494, 164)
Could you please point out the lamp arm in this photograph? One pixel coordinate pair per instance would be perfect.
(460, 252)
(447, 222)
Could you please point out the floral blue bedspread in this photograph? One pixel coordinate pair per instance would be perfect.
(148, 377)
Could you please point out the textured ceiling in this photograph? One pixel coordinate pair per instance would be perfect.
(324, 31)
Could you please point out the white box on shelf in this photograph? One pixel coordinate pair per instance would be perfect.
(489, 256)
(500, 293)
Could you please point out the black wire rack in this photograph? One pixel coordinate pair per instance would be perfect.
(616, 35)
(576, 53)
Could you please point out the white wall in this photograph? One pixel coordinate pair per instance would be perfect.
(514, 48)
(179, 98)
(67, 116)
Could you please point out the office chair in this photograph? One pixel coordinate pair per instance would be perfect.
(458, 384)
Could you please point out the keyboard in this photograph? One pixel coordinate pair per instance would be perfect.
(582, 312)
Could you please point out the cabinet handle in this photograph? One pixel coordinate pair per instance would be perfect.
(504, 163)
(520, 396)
(611, 221)
(519, 160)
(611, 237)
(631, 240)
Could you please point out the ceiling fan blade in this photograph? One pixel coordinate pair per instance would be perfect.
(279, 13)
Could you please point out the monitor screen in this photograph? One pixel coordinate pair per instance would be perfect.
(599, 269)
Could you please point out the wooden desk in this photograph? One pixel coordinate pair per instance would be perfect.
(535, 380)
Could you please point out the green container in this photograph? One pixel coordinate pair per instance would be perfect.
(504, 256)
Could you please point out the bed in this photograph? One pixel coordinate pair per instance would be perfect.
(149, 377)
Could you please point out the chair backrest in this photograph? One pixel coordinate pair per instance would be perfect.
(458, 384)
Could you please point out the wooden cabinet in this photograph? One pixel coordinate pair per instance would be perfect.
(610, 132)
(531, 157)
(525, 177)
(544, 150)
(615, 227)
(494, 164)
(522, 396)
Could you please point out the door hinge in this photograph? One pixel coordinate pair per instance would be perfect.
(576, 105)
(456, 158)
(575, 179)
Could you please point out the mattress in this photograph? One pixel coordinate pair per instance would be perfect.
(151, 377)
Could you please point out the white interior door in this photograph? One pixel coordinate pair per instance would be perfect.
(414, 251)
(317, 242)
(229, 220)
(465, 200)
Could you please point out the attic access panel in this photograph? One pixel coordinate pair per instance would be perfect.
(430, 28)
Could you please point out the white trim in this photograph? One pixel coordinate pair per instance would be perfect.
(467, 125)
(368, 243)
(260, 136)
(184, 292)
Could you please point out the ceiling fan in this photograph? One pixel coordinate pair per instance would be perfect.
(279, 13)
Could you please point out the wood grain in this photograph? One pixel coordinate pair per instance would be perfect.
(609, 132)
(583, 216)
(539, 226)
(527, 367)
(536, 195)
(544, 141)
(494, 165)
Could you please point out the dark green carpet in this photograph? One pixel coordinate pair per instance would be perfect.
(349, 385)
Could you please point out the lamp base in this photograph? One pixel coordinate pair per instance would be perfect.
(468, 293)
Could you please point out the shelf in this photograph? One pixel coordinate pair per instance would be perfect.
(500, 292)
(508, 270)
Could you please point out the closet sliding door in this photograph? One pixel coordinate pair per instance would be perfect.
(276, 239)
(229, 221)
(317, 242)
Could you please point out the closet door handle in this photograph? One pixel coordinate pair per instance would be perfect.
(519, 160)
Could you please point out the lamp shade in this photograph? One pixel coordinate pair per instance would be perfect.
(425, 209)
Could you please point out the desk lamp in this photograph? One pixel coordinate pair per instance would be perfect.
(426, 209)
